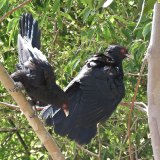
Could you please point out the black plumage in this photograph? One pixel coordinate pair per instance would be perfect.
(33, 70)
(93, 96)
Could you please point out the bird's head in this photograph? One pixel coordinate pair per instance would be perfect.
(117, 53)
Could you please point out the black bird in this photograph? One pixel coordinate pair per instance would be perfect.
(93, 96)
(33, 70)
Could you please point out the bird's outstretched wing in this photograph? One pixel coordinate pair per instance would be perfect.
(31, 58)
(93, 95)
(100, 88)
(33, 69)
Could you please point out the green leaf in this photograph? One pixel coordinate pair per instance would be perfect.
(86, 12)
(88, 2)
(60, 24)
(2, 3)
(147, 29)
(149, 5)
(106, 33)
(56, 6)
(69, 4)
(66, 15)
(11, 28)
(107, 3)
(12, 23)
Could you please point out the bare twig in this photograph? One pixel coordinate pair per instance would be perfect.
(137, 150)
(141, 108)
(88, 152)
(126, 137)
(10, 129)
(11, 106)
(135, 74)
(19, 137)
(139, 20)
(55, 33)
(13, 10)
(99, 141)
(15, 107)
(33, 120)
(138, 105)
(6, 140)
(132, 104)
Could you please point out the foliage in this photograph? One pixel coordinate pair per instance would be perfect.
(72, 31)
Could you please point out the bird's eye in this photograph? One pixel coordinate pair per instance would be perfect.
(122, 51)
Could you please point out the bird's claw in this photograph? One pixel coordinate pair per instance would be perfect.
(32, 116)
(17, 87)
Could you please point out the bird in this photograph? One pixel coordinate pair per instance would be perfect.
(34, 71)
(93, 95)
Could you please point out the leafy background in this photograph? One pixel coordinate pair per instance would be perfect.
(73, 30)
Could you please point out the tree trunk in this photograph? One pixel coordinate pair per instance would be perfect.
(153, 87)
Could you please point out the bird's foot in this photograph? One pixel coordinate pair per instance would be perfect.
(33, 104)
(17, 87)
(33, 115)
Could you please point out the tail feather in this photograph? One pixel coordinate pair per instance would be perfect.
(82, 135)
(35, 36)
(29, 40)
(29, 29)
(68, 126)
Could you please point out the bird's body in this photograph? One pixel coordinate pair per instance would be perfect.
(93, 95)
(34, 71)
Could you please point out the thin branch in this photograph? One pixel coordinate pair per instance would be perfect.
(10, 129)
(19, 137)
(138, 105)
(87, 151)
(99, 141)
(125, 139)
(135, 74)
(141, 108)
(33, 120)
(137, 150)
(139, 20)
(14, 9)
(11, 106)
(55, 33)
(15, 107)
(6, 140)
(132, 104)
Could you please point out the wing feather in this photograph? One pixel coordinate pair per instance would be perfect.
(100, 94)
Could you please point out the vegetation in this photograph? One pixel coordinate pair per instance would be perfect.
(72, 31)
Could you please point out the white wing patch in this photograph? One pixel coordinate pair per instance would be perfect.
(25, 44)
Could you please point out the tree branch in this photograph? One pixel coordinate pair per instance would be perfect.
(19, 137)
(11, 106)
(13, 10)
(87, 151)
(33, 120)
(10, 129)
(135, 74)
(14, 107)
(153, 85)
(132, 104)
(99, 141)
(138, 105)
